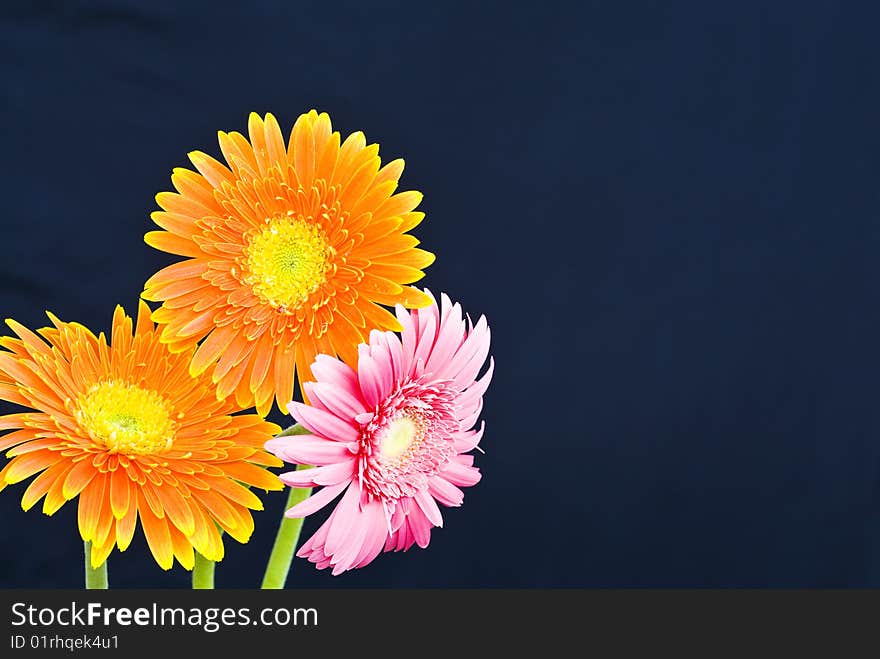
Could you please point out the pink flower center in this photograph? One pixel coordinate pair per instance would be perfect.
(408, 439)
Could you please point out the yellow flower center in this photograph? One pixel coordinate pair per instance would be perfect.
(126, 418)
(400, 435)
(286, 261)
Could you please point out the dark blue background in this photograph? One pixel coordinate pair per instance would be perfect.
(668, 214)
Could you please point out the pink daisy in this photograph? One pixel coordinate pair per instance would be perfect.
(393, 437)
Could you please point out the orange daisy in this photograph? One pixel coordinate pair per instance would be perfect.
(290, 250)
(127, 429)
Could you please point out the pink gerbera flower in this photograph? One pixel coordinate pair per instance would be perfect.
(393, 436)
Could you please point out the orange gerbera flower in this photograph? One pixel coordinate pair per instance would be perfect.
(289, 249)
(128, 430)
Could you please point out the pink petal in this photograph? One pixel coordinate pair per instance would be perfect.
(334, 371)
(375, 536)
(420, 527)
(391, 355)
(316, 543)
(428, 321)
(404, 539)
(395, 352)
(328, 475)
(308, 450)
(449, 338)
(345, 520)
(429, 507)
(337, 400)
(407, 339)
(398, 517)
(479, 387)
(472, 399)
(323, 423)
(345, 559)
(459, 474)
(346, 556)
(445, 492)
(470, 415)
(381, 355)
(317, 501)
(470, 369)
(467, 459)
(467, 440)
(469, 358)
(370, 378)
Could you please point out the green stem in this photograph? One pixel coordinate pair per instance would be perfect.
(96, 578)
(295, 429)
(288, 530)
(203, 573)
(286, 540)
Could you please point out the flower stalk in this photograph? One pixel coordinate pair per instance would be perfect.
(289, 530)
(96, 577)
(203, 573)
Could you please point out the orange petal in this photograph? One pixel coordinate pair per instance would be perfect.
(176, 509)
(27, 465)
(172, 289)
(345, 338)
(182, 548)
(413, 258)
(77, 478)
(211, 349)
(194, 186)
(182, 225)
(206, 539)
(16, 438)
(411, 220)
(147, 494)
(302, 150)
(172, 244)
(213, 171)
(305, 356)
(243, 527)
(328, 158)
(378, 318)
(264, 395)
(275, 150)
(143, 324)
(41, 484)
(373, 198)
(402, 274)
(34, 445)
(106, 524)
(90, 501)
(54, 496)
(285, 364)
(258, 142)
(373, 284)
(252, 475)
(156, 532)
(399, 204)
(236, 493)
(100, 553)
(15, 421)
(411, 298)
(359, 183)
(181, 205)
(120, 493)
(218, 506)
(126, 525)
(394, 244)
(189, 269)
(262, 360)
